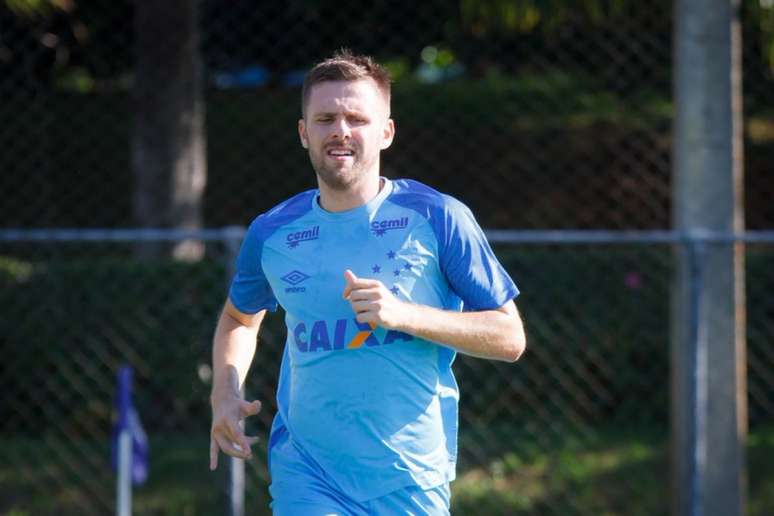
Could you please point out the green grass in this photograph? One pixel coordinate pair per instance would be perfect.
(610, 472)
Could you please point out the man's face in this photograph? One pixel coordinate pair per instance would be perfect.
(345, 126)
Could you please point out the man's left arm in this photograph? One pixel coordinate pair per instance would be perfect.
(495, 334)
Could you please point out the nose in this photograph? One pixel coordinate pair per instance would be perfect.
(341, 129)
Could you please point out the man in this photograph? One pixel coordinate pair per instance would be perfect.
(373, 275)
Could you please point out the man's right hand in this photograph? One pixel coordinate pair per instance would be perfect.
(226, 434)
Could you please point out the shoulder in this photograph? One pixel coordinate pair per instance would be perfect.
(282, 214)
(426, 200)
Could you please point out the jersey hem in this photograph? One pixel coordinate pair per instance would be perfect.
(271, 307)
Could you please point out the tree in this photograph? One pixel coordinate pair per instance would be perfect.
(168, 145)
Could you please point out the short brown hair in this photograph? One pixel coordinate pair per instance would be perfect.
(346, 66)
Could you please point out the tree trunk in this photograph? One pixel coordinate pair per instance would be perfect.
(168, 147)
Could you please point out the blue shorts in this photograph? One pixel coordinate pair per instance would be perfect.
(300, 489)
(319, 501)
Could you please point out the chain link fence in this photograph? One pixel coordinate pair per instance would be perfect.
(539, 115)
(579, 426)
(565, 107)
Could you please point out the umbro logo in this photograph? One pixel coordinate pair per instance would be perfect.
(295, 277)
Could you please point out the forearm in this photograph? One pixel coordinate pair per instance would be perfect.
(233, 349)
(494, 334)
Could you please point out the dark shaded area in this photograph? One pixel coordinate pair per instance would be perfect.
(160, 317)
(556, 117)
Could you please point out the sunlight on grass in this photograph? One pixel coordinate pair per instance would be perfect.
(523, 485)
(613, 473)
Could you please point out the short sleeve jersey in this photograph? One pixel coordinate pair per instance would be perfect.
(375, 409)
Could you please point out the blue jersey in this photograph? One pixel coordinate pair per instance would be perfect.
(375, 409)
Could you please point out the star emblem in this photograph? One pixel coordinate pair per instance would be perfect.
(376, 269)
(395, 290)
(380, 232)
(396, 272)
(407, 266)
(391, 255)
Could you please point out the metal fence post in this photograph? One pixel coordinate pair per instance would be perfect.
(235, 477)
(708, 384)
(696, 357)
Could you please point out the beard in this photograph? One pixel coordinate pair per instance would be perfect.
(338, 176)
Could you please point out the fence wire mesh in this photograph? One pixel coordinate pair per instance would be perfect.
(579, 426)
(539, 115)
(559, 114)
(548, 115)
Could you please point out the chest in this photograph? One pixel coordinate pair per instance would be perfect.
(305, 263)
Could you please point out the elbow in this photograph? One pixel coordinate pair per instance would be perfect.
(514, 352)
(516, 345)
(514, 340)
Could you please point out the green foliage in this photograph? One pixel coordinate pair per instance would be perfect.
(30, 8)
(596, 319)
(77, 321)
(758, 18)
(77, 80)
(13, 270)
(577, 101)
(486, 16)
(538, 129)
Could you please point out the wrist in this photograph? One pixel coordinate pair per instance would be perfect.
(220, 395)
(406, 321)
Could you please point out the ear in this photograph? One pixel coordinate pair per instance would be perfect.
(388, 133)
(302, 134)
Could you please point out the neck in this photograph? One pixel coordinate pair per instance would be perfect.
(354, 196)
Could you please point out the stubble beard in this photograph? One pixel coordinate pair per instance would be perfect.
(340, 179)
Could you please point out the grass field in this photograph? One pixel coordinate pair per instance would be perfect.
(621, 473)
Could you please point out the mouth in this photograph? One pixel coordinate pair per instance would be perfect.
(340, 153)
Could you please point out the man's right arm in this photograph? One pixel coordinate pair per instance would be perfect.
(232, 353)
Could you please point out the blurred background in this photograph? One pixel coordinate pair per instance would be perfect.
(538, 114)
